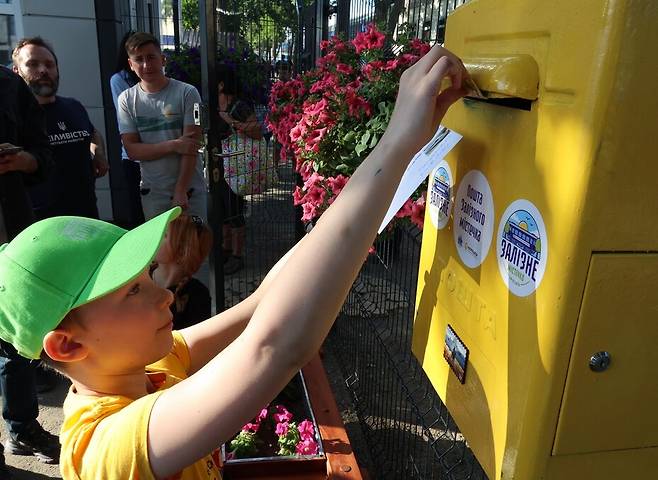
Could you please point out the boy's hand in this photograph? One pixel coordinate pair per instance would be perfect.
(421, 105)
(187, 144)
(180, 199)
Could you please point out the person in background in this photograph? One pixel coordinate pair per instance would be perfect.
(23, 127)
(237, 115)
(156, 122)
(122, 79)
(185, 246)
(78, 148)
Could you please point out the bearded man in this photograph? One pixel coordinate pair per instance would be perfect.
(77, 146)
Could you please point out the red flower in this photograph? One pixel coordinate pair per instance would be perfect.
(343, 68)
(356, 104)
(298, 196)
(337, 183)
(371, 38)
(419, 47)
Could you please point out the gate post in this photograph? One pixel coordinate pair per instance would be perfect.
(213, 162)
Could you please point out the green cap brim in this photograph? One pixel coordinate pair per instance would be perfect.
(127, 258)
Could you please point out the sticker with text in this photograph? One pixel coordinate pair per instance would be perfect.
(440, 195)
(522, 247)
(474, 217)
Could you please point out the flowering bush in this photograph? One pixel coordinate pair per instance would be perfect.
(291, 438)
(330, 118)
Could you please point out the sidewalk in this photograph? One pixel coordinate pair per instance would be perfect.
(50, 417)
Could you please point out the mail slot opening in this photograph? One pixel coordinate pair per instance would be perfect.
(512, 102)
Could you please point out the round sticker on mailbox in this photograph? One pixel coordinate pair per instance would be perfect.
(440, 195)
(522, 247)
(474, 217)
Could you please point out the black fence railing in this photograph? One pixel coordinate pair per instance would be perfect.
(408, 429)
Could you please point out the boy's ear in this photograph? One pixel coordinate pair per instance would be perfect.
(60, 346)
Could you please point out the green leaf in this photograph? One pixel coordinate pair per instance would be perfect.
(342, 168)
(373, 141)
(349, 137)
(365, 137)
(360, 148)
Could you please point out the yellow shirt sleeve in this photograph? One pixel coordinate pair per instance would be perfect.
(106, 437)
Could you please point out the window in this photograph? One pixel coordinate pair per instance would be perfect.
(7, 37)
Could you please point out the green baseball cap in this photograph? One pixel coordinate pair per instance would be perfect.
(60, 263)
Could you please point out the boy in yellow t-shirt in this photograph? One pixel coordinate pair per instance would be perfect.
(145, 403)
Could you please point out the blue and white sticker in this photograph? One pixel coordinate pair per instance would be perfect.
(474, 219)
(522, 247)
(440, 195)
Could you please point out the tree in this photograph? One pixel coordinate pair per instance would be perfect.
(387, 13)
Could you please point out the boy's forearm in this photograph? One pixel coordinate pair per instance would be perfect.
(344, 232)
(149, 151)
(187, 166)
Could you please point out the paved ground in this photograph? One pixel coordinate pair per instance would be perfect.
(50, 417)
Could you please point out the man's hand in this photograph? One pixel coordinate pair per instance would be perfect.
(100, 166)
(187, 144)
(180, 199)
(421, 104)
(18, 162)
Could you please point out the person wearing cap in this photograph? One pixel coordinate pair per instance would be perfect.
(148, 403)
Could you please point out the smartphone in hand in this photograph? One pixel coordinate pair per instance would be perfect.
(9, 149)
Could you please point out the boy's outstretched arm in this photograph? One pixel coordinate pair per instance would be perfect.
(298, 309)
(206, 339)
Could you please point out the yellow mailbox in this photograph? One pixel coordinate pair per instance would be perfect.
(538, 283)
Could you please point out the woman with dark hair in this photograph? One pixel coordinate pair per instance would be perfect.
(123, 79)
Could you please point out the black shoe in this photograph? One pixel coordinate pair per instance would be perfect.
(5, 474)
(34, 440)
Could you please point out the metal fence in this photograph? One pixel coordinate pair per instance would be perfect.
(409, 431)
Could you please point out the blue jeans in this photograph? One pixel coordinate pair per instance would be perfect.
(18, 389)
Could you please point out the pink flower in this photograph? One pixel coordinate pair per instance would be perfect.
(356, 104)
(343, 68)
(306, 430)
(419, 47)
(316, 195)
(282, 429)
(314, 178)
(405, 210)
(371, 38)
(418, 212)
(251, 427)
(337, 183)
(371, 250)
(307, 447)
(315, 109)
(282, 414)
(298, 196)
(305, 169)
(314, 138)
(309, 213)
(298, 132)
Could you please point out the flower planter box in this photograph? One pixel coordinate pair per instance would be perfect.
(334, 459)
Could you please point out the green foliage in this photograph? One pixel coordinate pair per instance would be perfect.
(244, 444)
(190, 14)
(288, 442)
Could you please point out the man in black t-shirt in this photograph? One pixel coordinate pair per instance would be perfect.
(77, 146)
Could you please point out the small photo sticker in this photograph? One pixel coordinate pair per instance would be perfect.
(456, 354)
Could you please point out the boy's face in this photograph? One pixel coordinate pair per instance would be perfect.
(147, 62)
(128, 328)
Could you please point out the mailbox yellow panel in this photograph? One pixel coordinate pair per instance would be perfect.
(570, 173)
(614, 409)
